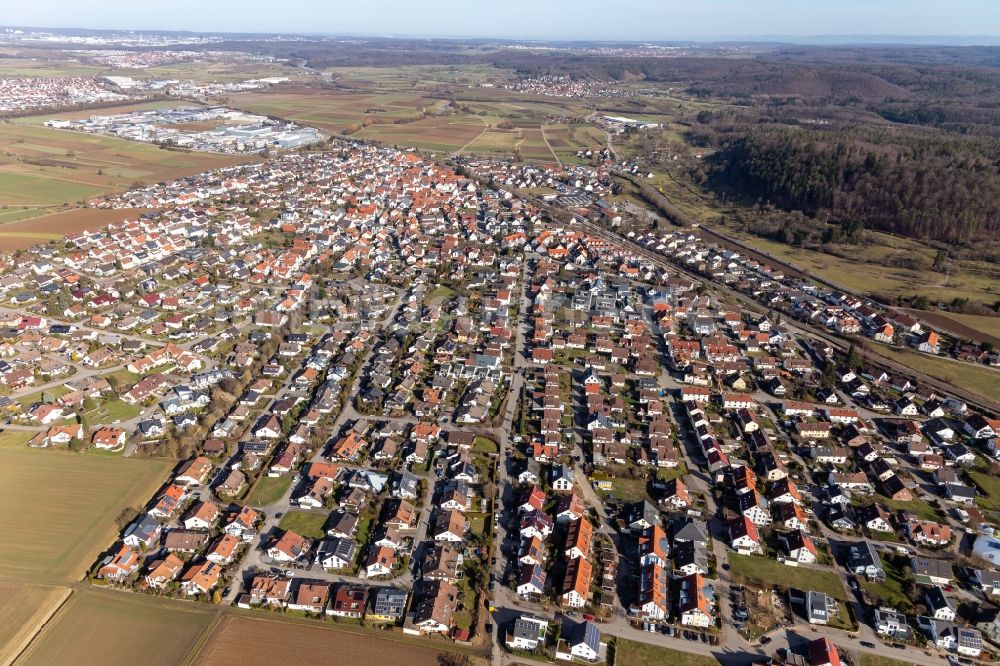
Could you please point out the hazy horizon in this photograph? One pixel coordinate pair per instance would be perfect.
(824, 21)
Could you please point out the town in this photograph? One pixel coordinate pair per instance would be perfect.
(405, 397)
(328, 347)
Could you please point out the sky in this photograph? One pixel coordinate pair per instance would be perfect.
(524, 19)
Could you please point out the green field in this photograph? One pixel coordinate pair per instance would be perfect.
(45, 167)
(305, 523)
(58, 509)
(772, 572)
(8, 215)
(977, 379)
(269, 489)
(632, 653)
(107, 627)
(42, 189)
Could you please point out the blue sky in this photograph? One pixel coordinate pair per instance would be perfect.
(525, 19)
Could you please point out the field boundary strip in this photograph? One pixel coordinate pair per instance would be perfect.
(45, 625)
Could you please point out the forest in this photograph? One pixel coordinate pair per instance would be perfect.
(932, 186)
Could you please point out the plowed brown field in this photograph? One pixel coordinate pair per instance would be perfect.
(35, 230)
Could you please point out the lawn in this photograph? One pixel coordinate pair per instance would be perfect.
(890, 591)
(364, 528)
(633, 653)
(58, 509)
(484, 445)
(917, 506)
(145, 630)
(989, 486)
(48, 395)
(441, 291)
(24, 610)
(671, 473)
(772, 572)
(305, 523)
(629, 490)
(269, 489)
(477, 522)
(111, 411)
(123, 376)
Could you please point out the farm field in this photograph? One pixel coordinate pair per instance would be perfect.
(644, 654)
(8, 215)
(772, 572)
(400, 116)
(14, 439)
(43, 66)
(23, 609)
(333, 110)
(146, 630)
(83, 495)
(241, 640)
(567, 139)
(415, 77)
(206, 71)
(988, 325)
(41, 167)
(80, 114)
(42, 228)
